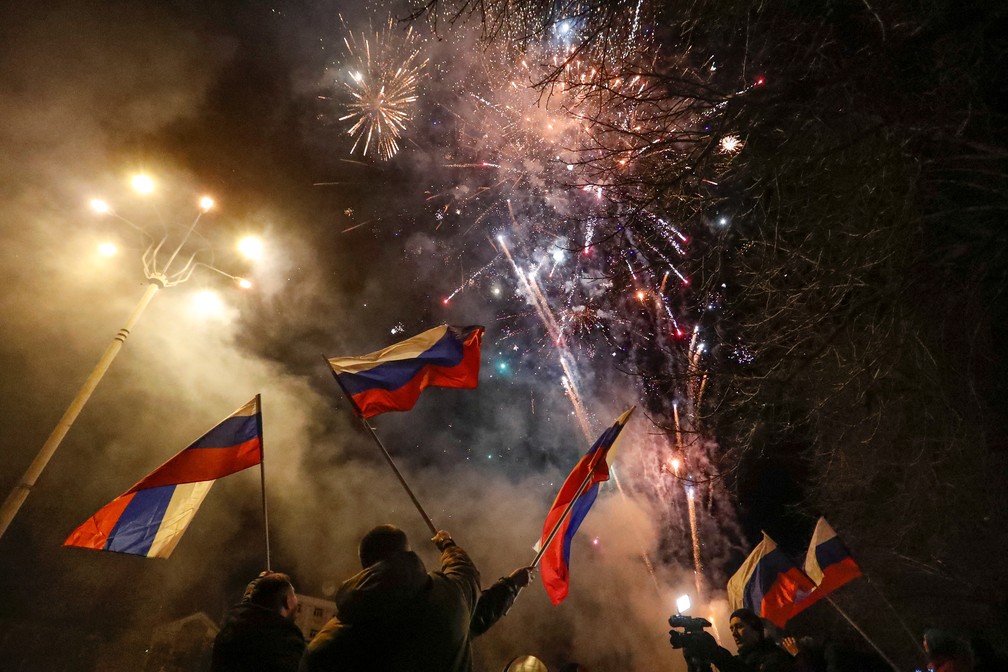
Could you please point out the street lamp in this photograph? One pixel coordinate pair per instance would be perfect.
(159, 275)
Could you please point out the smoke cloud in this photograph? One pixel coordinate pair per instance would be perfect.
(93, 94)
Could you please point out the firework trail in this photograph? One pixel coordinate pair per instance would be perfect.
(381, 76)
(695, 384)
(470, 280)
(579, 410)
(573, 160)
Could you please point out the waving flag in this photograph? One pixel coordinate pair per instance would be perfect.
(392, 379)
(150, 518)
(768, 583)
(570, 507)
(828, 563)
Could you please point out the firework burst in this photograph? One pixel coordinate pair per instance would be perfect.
(381, 73)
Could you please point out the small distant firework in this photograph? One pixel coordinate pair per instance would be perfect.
(731, 144)
(381, 74)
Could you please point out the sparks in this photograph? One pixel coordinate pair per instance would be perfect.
(382, 83)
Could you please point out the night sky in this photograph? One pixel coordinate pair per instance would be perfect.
(224, 101)
(241, 101)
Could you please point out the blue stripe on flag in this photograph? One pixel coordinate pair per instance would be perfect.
(830, 552)
(577, 515)
(233, 431)
(136, 528)
(446, 352)
(769, 567)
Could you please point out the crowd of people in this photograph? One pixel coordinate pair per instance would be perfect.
(394, 615)
(759, 652)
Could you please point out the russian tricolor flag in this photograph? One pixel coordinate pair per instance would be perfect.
(828, 563)
(581, 488)
(150, 518)
(392, 379)
(768, 583)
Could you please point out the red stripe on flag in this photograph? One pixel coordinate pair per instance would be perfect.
(834, 576)
(779, 602)
(464, 375)
(94, 533)
(203, 464)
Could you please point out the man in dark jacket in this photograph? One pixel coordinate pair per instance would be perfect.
(756, 652)
(259, 633)
(396, 617)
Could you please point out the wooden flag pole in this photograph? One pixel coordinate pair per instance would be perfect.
(262, 477)
(862, 633)
(384, 452)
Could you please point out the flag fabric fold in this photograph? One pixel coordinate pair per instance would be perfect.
(828, 563)
(150, 518)
(581, 489)
(392, 379)
(768, 583)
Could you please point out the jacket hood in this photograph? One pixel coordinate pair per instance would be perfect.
(382, 589)
(247, 619)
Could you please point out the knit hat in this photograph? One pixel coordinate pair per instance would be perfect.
(749, 618)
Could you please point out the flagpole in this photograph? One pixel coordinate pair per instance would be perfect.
(556, 528)
(384, 452)
(262, 476)
(862, 633)
(899, 617)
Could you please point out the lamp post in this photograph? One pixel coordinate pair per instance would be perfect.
(158, 276)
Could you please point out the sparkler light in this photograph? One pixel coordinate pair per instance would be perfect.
(381, 78)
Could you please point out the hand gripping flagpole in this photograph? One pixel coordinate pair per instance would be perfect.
(262, 476)
(384, 452)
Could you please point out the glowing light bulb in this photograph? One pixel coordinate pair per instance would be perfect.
(243, 283)
(142, 184)
(206, 203)
(100, 206)
(108, 249)
(208, 302)
(251, 247)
